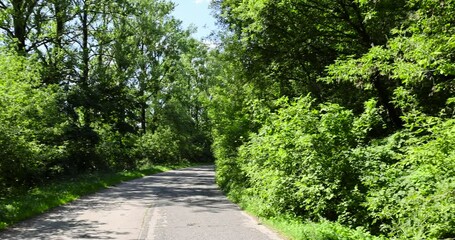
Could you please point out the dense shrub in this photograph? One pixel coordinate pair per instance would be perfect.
(414, 197)
(317, 162)
(159, 146)
(118, 150)
(227, 138)
(299, 229)
(30, 123)
(233, 117)
(300, 162)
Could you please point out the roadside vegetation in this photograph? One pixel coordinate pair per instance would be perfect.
(334, 119)
(295, 228)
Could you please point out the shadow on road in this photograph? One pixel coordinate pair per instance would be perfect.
(193, 187)
(181, 187)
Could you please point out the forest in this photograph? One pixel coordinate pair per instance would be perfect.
(338, 112)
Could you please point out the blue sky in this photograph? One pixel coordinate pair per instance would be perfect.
(195, 12)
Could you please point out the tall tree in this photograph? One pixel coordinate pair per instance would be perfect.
(159, 40)
(288, 44)
(17, 16)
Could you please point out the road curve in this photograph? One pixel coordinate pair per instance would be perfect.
(180, 204)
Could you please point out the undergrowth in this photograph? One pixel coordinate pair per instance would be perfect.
(324, 230)
(296, 228)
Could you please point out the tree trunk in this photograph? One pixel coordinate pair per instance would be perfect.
(143, 118)
(19, 24)
(60, 20)
(85, 64)
(385, 100)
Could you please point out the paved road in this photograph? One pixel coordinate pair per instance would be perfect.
(181, 204)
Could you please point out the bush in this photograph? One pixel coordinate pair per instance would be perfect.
(316, 162)
(15, 158)
(301, 162)
(30, 123)
(117, 150)
(161, 146)
(299, 229)
(414, 197)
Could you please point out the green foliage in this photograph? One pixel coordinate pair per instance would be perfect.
(160, 146)
(419, 65)
(118, 150)
(319, 162)
(234, 114)
(413, 198)
(387, 166)
(30, 122)
(287, 44)
(297, 229)
(303, 157)
(83, 91)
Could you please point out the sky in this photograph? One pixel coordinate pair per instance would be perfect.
(195, 12)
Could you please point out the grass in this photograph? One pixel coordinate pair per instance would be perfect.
(297, 229)
(325, 230)
(24, 204)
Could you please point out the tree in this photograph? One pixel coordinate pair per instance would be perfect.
(288, 44)
(159, 42)
(17, 17)
(415, 66)
(113, 71)
(30, 123)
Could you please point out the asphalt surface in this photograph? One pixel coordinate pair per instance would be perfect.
(180, 204)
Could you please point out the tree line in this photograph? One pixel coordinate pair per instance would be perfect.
(97, 85)
(339, 110)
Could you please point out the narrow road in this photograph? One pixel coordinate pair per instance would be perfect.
(180, 204)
